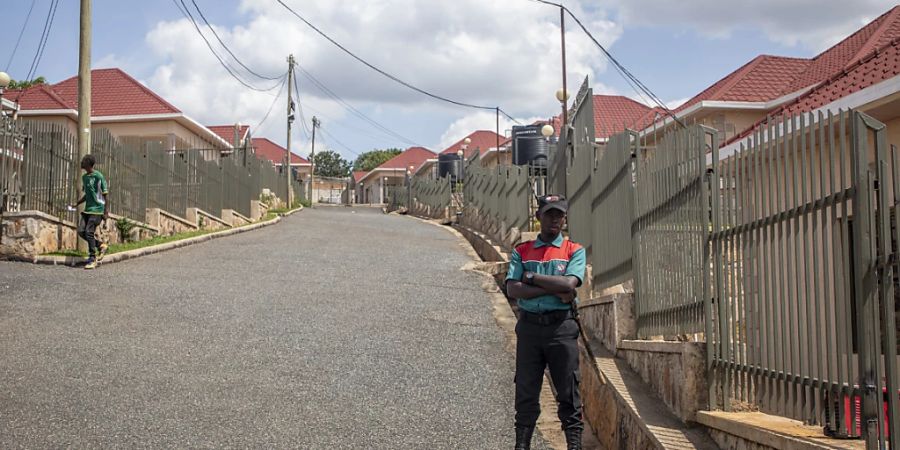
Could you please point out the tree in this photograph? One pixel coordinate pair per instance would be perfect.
(370, 160)
(25, 84)
(330, 164)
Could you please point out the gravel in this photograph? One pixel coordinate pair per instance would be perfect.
(337, 328)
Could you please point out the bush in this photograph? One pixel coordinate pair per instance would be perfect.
(124, 226)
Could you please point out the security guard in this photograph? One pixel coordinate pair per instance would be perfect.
(543, 275)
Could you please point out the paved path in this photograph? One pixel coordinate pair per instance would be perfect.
(337, 328)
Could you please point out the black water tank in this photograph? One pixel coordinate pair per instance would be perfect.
(529, 146)
(449, 165)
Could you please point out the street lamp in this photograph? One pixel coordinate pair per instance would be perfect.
(409, 173)
(562, 95)
(384, 190)
(547, 130)
(4, 82)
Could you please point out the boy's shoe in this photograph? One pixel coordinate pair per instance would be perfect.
(102, 251)
(91, 263)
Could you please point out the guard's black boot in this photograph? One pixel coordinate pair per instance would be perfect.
(523, 437)
(573, 438)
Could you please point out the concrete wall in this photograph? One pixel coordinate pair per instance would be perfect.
(205, 220)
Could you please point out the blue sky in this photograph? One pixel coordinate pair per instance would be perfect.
(493, 53)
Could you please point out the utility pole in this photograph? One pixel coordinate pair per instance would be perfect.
(290, 120)
(84, 95)
(312, 159)
(565, 95)
(497, 110)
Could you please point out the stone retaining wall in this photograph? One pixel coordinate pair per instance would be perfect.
(30, 233)
(205, 220)
(168, 223)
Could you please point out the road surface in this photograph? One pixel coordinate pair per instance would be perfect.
(337, 328)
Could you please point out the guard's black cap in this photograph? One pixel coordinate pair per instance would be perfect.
(553, 201)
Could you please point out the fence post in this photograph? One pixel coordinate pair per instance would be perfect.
(864, 284)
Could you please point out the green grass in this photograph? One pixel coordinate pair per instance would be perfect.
(126, 246)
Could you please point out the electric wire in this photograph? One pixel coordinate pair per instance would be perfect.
(632, 80)
(392, 77)
(19, 39)
(187, 13)
(324, 89)
(272, 106)
(45, 36)
(218, 38)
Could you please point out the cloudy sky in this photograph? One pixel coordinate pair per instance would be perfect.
(494, 53)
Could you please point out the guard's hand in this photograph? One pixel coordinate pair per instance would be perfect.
(568, 297)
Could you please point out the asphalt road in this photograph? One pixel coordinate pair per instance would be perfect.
(336, 328)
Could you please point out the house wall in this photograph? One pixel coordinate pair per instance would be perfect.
(183, 137)
(65, 121)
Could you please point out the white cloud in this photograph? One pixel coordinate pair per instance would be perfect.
(503, 52)
(481, 120)
(813, 24)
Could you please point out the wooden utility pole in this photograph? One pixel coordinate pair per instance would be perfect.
(312, 159)
(290, 120)
(84, 96)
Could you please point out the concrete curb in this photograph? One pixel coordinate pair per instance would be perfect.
(73, 261)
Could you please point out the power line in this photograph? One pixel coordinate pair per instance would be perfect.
(45, 36)
(283, 82)
(632, 80)
(330, 136)
(392, 77)
(208, 25)
(300, 108)
(187, 13)
(355, 111)
(19, 39)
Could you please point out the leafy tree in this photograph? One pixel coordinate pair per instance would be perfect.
(25, 84)
(330, 164)
(370, 160)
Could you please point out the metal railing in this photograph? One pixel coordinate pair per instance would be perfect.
(612, 208)
(39, 167)
(431, 197)
(670, 226)
(496, 199)
(804, 250)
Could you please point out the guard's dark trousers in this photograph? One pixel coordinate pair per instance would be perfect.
(543, 341)
(87, 229)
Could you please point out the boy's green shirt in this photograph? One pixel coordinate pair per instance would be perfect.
(95, 192)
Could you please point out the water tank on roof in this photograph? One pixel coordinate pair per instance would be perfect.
(450, 165)
(529, 147)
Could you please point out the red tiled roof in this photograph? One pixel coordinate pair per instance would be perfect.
(273, 152)
(227, 131)
(413, 156)
(876, 34)
(358, 175)
(762, 79)
(38, 97)
(880, 65)
(115, 93)
(482, 140)
(613, 113)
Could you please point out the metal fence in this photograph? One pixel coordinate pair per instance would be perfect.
(496, 199)
(804, 249)
(431, 197)
(612, 208)
(39, 167)
(670, 225)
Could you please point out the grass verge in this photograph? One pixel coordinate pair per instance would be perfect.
(126, 246)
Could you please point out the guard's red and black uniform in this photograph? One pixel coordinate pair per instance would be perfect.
(547, 334)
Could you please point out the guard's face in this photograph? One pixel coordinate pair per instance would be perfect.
(552, 221)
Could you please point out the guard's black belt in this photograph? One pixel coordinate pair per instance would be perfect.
(547, 318)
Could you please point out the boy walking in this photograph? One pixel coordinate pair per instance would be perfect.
(96, 210)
